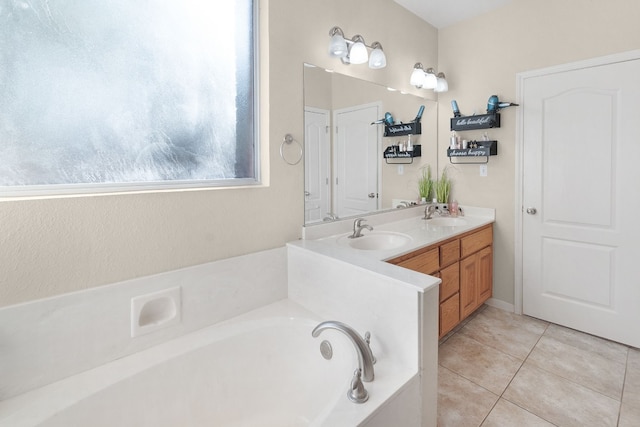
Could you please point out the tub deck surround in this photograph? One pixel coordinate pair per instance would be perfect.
(369, 262)
(50, 339)
(364, 299)
(398, 306)
(180, 380)
(70, 360)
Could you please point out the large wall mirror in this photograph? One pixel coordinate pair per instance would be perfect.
(345, 172)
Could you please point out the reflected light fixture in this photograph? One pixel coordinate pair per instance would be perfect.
(354, 50)
(428, 79)
(442, 85)
(417, 76)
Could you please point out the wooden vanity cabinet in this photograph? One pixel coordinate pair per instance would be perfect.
(476, 270)
(465, 265)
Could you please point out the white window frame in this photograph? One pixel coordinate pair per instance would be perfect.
(31, 191)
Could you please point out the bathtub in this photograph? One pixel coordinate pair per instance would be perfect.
(262, 369)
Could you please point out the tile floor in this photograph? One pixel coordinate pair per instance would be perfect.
(501, 369)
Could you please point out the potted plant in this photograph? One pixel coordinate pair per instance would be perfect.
(425, 184)
(443, 188)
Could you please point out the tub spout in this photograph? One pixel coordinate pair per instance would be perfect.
(365, 356)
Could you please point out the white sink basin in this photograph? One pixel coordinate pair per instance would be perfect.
(377, 241)
(446, 222)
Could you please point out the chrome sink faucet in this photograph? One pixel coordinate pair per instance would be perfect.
(428, 211)
(357, 228)
(357, 393)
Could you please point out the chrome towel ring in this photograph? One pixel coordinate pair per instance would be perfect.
(288, 140)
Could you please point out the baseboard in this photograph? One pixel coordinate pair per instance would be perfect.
(500, 304)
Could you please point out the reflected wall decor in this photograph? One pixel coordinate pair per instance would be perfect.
(121, 92)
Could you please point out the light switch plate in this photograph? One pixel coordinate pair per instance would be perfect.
(483, 170)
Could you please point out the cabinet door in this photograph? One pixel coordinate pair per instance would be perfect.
(468, 285)
(485, 274)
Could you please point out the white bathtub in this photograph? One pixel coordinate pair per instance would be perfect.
(259, 369)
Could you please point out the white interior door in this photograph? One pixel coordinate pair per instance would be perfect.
(357, 145)
(581, 199)
(317, 149)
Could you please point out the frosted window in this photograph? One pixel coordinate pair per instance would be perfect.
(125, 91)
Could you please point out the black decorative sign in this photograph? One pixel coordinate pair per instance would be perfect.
(393, 152)
(484, 149)
(481, 121)
(413, 128)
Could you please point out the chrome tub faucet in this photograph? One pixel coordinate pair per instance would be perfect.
(357, 393)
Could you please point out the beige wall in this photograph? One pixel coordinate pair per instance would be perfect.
(482, 56)
(52, 246)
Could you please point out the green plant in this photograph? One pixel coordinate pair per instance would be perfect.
(443, 188)
(425, 183)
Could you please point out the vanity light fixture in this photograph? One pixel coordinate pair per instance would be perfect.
(377, 59)
(428, 79)
(354, 50)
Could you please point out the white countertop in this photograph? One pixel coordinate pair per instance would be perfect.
(329, 240)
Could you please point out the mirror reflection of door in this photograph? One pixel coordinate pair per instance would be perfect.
(356, 147)
(331, 91)
(317, 174)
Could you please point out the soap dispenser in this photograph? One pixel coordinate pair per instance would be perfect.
(453, 208)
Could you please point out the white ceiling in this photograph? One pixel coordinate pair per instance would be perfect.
(442, 13)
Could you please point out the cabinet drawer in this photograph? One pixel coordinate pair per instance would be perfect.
(450, 281)
(427, 262)
(449, 252)
(476, 241)
(449, 314)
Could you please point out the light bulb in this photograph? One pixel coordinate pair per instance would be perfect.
(417, 76)
(358, 53)
(378, 59)
(338, 46)
(442, 85)
(430, 79)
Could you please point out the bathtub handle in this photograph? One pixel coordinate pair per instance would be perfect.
(367, 339)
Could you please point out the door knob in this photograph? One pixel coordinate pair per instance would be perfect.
(532, 211)
(372, 195)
